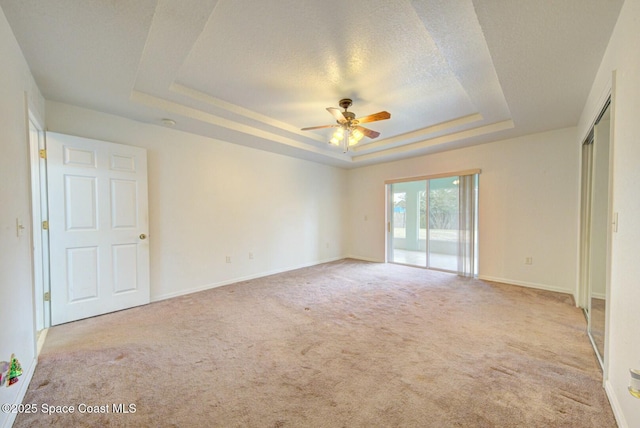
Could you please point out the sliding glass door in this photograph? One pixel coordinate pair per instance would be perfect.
(408, 224)
(433, 223)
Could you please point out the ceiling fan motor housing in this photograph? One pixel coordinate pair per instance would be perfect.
(345, 103)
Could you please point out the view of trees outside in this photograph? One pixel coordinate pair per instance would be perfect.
(399, 214)
(442, 213)
(443, 209)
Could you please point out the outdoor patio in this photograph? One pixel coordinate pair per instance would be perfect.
(442, 254)
(419, 258)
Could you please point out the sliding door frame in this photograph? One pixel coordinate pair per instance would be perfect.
(432, 176)
(389, 240)
(583, 297)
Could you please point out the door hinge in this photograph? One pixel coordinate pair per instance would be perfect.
(45, 225)
(389, 226)
(47, 297)
(43, 153)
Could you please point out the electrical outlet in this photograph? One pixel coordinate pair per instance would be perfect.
(250, 256)
(228, 259)
(528, 260)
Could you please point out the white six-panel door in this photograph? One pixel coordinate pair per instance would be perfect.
(98, 226)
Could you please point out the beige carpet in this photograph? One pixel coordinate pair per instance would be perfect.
(344, 344)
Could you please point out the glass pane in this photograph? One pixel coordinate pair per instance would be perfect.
(399, 215)
(408, 231)
(422, 226)
(443, 223)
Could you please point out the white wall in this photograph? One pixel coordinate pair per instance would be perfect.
(209, 199)
(623, 350)
(16, 283)
(528, 206)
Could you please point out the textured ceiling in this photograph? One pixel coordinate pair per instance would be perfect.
(451, 73)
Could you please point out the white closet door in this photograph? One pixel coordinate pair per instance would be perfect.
(98, 226)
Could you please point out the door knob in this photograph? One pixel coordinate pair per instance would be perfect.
(143, 236)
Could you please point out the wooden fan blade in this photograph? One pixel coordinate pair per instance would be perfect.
(368, 132)
(335, 112)
(319, 127)
(374, 117)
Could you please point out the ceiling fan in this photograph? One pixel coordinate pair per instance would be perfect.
(349, 131)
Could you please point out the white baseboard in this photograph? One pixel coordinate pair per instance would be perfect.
(22, 385)
(526, 284)
(365, 259)
(240, 279)
(41, 338)
(615, 405)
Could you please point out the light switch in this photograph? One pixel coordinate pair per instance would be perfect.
(19, 228)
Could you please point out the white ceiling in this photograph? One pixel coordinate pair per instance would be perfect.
(451, 73)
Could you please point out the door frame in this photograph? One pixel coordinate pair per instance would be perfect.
(427, 178)
(39, 236)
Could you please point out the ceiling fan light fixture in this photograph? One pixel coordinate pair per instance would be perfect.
(355, 135)
(346, 136)
(337, 137)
